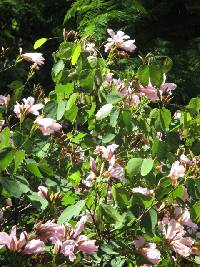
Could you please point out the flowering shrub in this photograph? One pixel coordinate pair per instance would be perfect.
(104, 171)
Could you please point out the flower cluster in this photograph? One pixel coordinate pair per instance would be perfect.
(22, 245)
(67, 241)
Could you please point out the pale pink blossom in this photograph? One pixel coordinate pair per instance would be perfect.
(174, 233)
(119, 40)
(185, 159)
(90, 178)
(106, 152)
(144, 191)
(2, 122)
(183, 216)
(68, 249)
(177, 170)
(27, 107)
(90, 48)
(4, 100)
(148, 250)
(152, 93)
(43, 192)
(50, 231)
(34, 246)
(85, 245)
(47, 125)
(36, 58)
(115, 170)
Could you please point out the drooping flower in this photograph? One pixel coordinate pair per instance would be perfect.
(43, 192)
(104, 111)
(34, 246)
(90, 48)
(177, 170)
(119, 40)
(4, 100)
(148, 250)
(68, 249)
(183, 217)
(106, 152)
(11, 241)
(36, 58)
(50, 231)
(85, 245)
(152, 93)
(27, 107)
(47, 125)
(144, 191)
(185, 159)
(115, 170)
(174, 233)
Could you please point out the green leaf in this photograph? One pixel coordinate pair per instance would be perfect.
(71, 101)
(5, 138)
(50, 109)
(114, 117)
(75, 178)
(19, 157)
(150, 220)
(37, 201)
(108, 138)
(111, 215)
(165, 118)
(143, 75)
(76, 54)
(45, 168)
(63, 91)
(14, 187)
(114, 97)
(133, 166)
(195, 212)
(121, 197)
(60, 109)
(71, 211)
(6, 157)
(39, 42)
(147, 166)
(167, 64)
(72, 113)
(156, 75)
(58, 67)
(33, 168)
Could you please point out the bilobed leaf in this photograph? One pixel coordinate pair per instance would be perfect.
(167, 64)
(58, 67)
(114, 97)
(39, 42)
(76, 53)
(156, 75)
(147, 166)
(72, 113)
(71, 211)
(50, 109)
(165, 118)
(133, 166)
(37, 201)
(195, 212)
(112, 215)
(63, 91)
(108, 138)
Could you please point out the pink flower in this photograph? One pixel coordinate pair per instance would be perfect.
(120, 40)
(115, 170)
(4, 100)
(51, 231)
(36, 58)
(144, 191)
(34, 246)
(148, 250)
(27, 107)
(47, 125)
(177, 170)
(183, 216)
(2, 122)
(152, 93)
(90, 48)
(43, 192)
(11, 242)
(174, 232)
(87, 246)
(184, 159)
(106, 152)
(68, 248)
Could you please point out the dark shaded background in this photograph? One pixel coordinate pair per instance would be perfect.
(164, 27)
